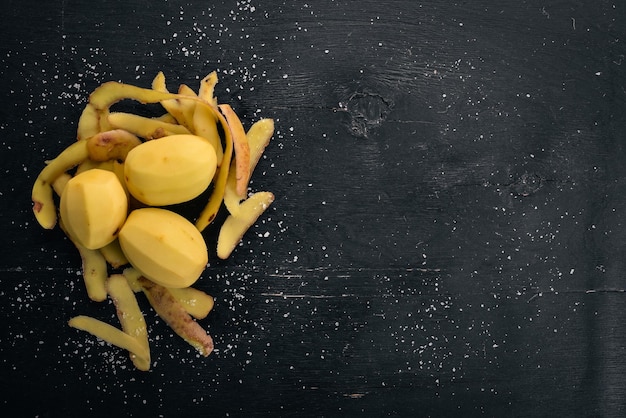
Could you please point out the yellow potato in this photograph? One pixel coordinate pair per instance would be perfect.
(170, 170)
(93, 208)
(164, 247)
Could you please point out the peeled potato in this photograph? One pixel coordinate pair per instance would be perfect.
(93, 208)
(164, 246)
(170, 170)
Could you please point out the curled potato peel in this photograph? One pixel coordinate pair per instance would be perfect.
(258, 138)
(130, 317)
(88, 123)
(172, 105)
(42, 196)
(144, 127)
(207, 89)
(212, 207)
(241, 149)
(114, 336)
(205, 125)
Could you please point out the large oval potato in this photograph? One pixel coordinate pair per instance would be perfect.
(93, 207)
(164, 246)
(170, 170)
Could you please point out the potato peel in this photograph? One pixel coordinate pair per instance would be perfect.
(115, 336)
(130, 316)
(111, 145)
(234, 227)
(173, 313)
(144, 127)
(212, 207)
(241, 149)
(42, 196)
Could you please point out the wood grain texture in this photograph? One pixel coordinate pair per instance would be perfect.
(447, 235)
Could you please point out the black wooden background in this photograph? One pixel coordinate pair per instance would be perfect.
(448, 233)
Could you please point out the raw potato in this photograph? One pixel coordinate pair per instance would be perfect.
(170, 170)
(164, 247)
(93, 208)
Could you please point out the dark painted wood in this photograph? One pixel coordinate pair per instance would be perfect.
(448, 233)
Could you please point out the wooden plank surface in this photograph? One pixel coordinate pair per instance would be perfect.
(447, 236)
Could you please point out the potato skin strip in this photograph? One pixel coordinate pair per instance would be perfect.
(187, 106)
(259, 136)
(172, 106)
(234, 227)
(173, 313)
(197, 303)
(42, 194)
(130, 316)
(113, 254)
(88, 123)
(207, 88)
(209, 212)
(113, 336)
(94, 272)
(147, 128)
(111, 92)
(205, 125)
(241, 148)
